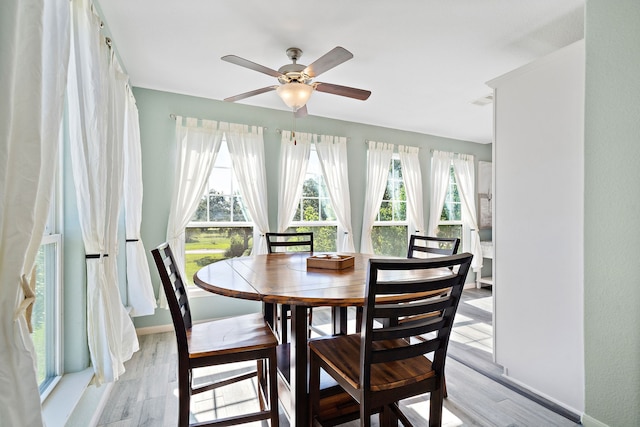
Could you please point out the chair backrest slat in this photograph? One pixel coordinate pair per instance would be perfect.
(432, 245)
(425, 294)
(298, 242)
(175, 292)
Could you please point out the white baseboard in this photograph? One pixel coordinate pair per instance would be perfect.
(588, 421)
(545, 396)
(154, 329)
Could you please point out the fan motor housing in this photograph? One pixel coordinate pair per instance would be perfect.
(293, 73)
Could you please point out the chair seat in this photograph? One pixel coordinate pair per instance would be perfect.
(248, 332)
(342, 353)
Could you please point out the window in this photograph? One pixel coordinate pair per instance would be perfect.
(221, 227)
(315, 212)
(46, 317)
(451, 224)
(390, 229)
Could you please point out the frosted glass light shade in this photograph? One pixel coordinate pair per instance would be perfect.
(295, 95)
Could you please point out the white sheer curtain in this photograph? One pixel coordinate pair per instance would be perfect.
(412, 176)
(332, 152)
(140, 294)
(34, 54)
(294, 159)
(378, 159)
(246, 147)
(196, 151)
(440, 166)
(464, 169)
(96, 106)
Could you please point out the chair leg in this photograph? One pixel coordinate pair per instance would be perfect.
(388, 418)
(444, 387)
(262, 383)
(314, 387)
(284, 314)
(273, 389)
(435, 407)
(184, 394)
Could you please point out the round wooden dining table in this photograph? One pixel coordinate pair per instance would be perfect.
(284, 278)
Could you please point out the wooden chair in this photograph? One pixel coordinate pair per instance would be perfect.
(423, 247)
(384, 364)
(289, 242)
(218, 342)
(432, 245)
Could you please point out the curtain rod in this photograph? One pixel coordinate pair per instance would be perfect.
(278, 130)
(445, 151)
(174, 117)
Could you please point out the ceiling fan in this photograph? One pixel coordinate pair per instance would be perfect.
(296, 80)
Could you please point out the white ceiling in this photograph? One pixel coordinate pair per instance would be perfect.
(425, 61)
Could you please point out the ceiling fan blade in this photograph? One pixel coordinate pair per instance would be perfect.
(335, 56)
(251, 65)
(251, 93)
(302, 112)
(350, 92)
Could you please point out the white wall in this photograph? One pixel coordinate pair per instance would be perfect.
(538, 234)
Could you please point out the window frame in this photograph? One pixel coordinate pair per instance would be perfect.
(194, 291)
(394, 223)
(54, 298)
(295, 224)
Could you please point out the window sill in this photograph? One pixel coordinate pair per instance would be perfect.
(63, 399)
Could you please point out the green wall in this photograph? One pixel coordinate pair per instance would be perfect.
(612, 203)
(157, 131)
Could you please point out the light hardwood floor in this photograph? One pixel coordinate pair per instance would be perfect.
(146, 395)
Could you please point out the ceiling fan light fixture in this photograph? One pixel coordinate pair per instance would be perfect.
(294, 94)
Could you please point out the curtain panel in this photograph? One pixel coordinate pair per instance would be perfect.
(332, 152)
(464, 170)
(34, 36)
(294, 160)
(246, 147)
(140, 295)
(197, 147)
(440, 165)
(96, 125)
(379, 157)
(412, 176)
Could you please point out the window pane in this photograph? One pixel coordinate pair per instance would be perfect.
(397, 169)
(221, 180)
(324, 238)
(239, 211)
(44, 316)
(204, 245)
(390, 240)
(386, 211)
(311, 210)
(222, 201)
(450, 231)
(399, 211)
(327, 210)
(310, 188)
(219, 207)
